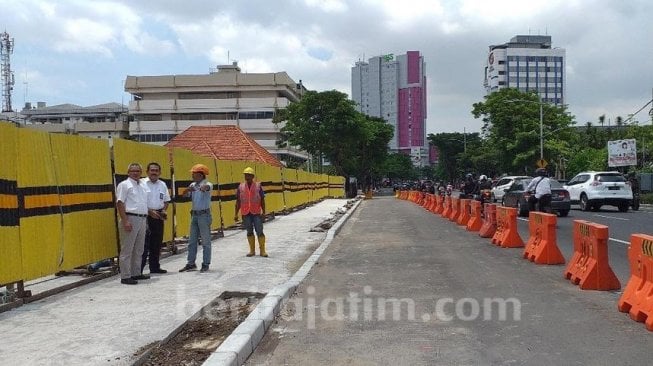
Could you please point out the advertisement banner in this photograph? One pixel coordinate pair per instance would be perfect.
(622, 153)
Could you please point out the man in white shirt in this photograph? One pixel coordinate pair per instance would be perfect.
(157, 204)
(131, 203)
(541, 186)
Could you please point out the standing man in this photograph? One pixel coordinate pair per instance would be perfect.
(540, 187)
(200, 223)
(250, 200)
(131, 203)
(157, 204)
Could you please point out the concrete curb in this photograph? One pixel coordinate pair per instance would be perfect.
(240, 344)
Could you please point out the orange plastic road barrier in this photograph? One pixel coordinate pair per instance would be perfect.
(589, 267)
(489, 221)
(455, 209)
(542, 245)
(465, 214)
(447, 207)
(507, 235)
(427, 200)
(413, 196)
(440, 207)
(475, 222)
(637, 299)
(433, 204)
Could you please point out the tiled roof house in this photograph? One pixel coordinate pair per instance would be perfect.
(223, 143)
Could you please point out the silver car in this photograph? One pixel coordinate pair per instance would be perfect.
(504, 183)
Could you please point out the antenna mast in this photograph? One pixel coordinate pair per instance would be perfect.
(7, 76)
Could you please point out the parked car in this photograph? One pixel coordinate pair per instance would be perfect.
(504, 183)
(591, 190)
(517, 196)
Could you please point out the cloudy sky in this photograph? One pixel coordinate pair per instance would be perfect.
(80, 51)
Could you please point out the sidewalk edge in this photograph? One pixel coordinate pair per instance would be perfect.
(240, 344)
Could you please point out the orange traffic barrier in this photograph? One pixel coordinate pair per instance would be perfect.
(507, 235)
(589, 267)
(427, 200)
(637, 299)
(447, 207)
(440, 207)
(433, 204)
(464, 215)
(455, 209)
(475, 222)
(542, 245)
(489, 221)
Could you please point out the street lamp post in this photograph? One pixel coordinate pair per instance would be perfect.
(541, 131)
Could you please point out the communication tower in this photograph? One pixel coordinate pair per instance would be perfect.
(6, 75)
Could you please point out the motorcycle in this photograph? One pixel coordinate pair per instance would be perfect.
(485, 196)
(635, 202)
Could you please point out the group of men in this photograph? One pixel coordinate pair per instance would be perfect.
(142, 205)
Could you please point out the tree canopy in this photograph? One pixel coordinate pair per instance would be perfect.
(327, 124)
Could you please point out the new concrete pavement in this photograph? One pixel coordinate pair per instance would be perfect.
(402, 286)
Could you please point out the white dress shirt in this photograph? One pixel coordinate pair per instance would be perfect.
(158, 194)
(133, 193)
(543, 186)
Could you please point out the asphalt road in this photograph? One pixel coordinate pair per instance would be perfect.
(621, 226)
(394, 251)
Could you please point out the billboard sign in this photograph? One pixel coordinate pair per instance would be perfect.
(622, 153)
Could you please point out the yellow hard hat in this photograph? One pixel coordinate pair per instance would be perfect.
(248, 170)
(200, 168)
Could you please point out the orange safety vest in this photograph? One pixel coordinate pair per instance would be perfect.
(250, 198)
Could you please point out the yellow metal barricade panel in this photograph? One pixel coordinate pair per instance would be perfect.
(228, 186)
(182, 161)
(10, 249)
(273, 189)
(83, 171)
(336, 186)
(290, 187)
(41, 219)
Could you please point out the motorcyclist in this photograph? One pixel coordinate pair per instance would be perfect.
(540, 189)
(470, 188)
(634, 186)
(484, 187)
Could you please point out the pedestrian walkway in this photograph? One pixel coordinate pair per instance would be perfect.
(105, 323)
(400, 286)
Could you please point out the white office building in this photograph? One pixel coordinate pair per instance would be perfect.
(164, 106)
(528, 63)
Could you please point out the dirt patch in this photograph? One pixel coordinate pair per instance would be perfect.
(198, 338)
(335, 216)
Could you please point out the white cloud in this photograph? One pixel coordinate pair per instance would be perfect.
(329, 6)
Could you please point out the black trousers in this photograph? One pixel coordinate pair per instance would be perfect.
(153, 240)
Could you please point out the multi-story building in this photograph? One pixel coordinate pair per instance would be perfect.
(528, 63)
(99, 121)
(394, 88)
(164, 106)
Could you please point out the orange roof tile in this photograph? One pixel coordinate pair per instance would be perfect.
(223, 143)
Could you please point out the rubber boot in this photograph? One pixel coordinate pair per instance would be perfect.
(252, 245)
(261, 245)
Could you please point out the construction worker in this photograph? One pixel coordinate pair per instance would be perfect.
(200, 225)
(250, 201)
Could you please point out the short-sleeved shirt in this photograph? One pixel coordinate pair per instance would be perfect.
(201, 200)
(158, 194)
(133, 193)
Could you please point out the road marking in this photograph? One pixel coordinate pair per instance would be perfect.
(620, 241)
(612, 217)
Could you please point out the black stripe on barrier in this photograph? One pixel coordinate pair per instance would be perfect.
(8, 186)
(71, 189)
(228, 186)
(55, 210)
(9, 217)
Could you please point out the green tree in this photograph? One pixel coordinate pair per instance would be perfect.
(327, 124)
(511, 127)
(398, 166)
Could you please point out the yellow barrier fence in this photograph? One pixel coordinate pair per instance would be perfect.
(11, 268)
